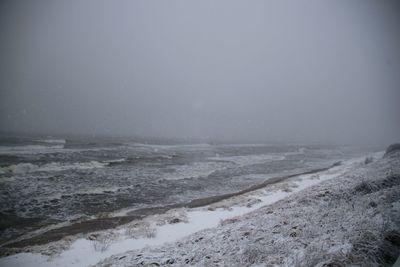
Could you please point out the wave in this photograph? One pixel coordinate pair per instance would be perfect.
(29, 149)
(250, 159)
(23, 168)
(89, 191)
(53, 141)
(302, 150)
(194, 170)
(155, 147)
(115, 160)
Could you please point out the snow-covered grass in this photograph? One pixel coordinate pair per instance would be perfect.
(350, 220)
(165, 237)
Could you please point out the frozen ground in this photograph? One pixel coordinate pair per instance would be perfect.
(291, 229)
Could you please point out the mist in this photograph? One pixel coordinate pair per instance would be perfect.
(254, 71)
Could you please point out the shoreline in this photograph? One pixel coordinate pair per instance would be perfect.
(100, 224)
(157, 230)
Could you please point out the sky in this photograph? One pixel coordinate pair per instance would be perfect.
(253, 71)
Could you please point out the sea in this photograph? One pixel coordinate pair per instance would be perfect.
(48, 180)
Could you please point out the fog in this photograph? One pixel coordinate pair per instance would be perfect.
(251, 71)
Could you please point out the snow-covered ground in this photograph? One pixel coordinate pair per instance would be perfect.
(275, 225)
(351, 219)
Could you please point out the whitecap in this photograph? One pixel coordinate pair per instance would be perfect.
(115, 160)
(53, 141)
(29, 149)
(250, 159)
(23, 168)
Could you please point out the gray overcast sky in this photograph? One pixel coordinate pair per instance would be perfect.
(307, 71)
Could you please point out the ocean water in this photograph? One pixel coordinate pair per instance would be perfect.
(50, 180)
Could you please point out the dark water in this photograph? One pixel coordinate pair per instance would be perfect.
(46, 180)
